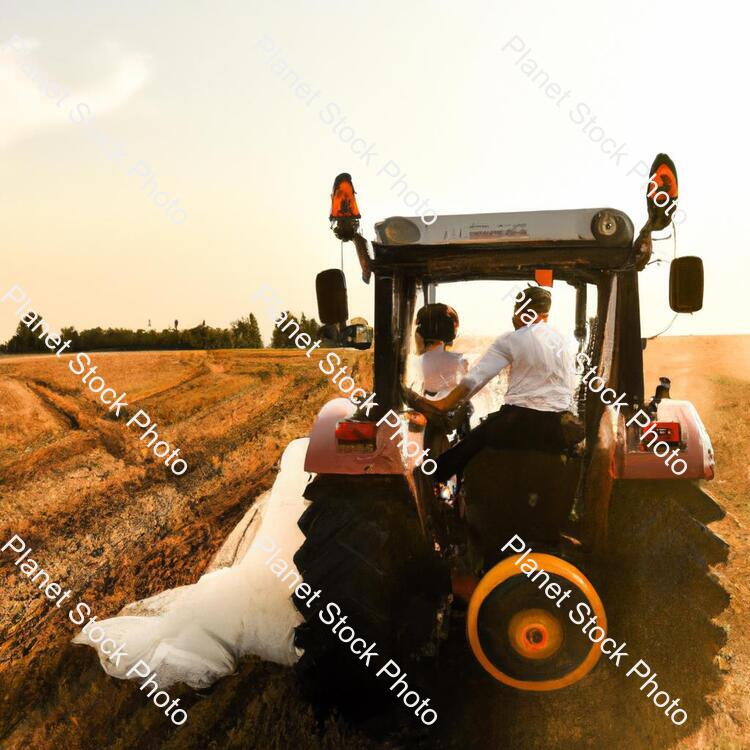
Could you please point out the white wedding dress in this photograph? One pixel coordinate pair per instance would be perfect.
(196, 634)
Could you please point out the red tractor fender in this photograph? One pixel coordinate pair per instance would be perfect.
(323, 454)
(635, 462)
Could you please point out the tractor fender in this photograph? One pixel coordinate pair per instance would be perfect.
(697, 452)
(323, 456)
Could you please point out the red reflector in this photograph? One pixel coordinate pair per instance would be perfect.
(356, 435)
(544, 276)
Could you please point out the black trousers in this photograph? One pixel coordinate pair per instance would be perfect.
(514, 428)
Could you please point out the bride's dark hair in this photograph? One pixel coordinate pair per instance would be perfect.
(437, 322)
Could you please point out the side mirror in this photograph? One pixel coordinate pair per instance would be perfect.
(357, 336)
(686, 284)
(330, 289)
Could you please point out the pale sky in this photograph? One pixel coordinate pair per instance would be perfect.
(198, 98)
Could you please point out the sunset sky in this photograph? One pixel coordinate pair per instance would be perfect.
(193, 104)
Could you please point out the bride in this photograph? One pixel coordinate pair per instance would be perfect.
(198, 633)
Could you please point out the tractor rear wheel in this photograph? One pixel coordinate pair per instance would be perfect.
(661, 590)
(365, 551)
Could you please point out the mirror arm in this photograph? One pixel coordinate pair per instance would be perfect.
(365, 261)
(643, 247)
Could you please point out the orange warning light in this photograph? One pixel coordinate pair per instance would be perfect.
(662, 192)
(343, 202)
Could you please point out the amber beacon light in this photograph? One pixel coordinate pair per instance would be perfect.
(662, 192)
(345, 214)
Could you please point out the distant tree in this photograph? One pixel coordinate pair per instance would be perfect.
(246, 333)
(309, 326)
(72, 334)
(256, 340)
(279, 338)
(285, 339)
(24, 340)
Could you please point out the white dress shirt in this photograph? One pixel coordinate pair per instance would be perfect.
(542, 368)
(441, 371)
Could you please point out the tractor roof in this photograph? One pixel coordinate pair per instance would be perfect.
(492, 245)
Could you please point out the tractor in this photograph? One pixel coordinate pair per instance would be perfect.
(609, 520)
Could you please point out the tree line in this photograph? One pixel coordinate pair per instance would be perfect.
(243, 333)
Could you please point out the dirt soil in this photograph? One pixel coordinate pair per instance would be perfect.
(111, 523)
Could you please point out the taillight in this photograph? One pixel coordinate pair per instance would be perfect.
(356, 437)
(666, 432)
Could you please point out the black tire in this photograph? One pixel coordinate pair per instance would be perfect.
(365, 551)
(662, 593)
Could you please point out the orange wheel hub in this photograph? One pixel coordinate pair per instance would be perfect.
(535, 634)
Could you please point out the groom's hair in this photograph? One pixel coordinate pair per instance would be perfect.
(540, 300)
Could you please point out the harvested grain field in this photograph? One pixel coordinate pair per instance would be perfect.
(110, 522)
